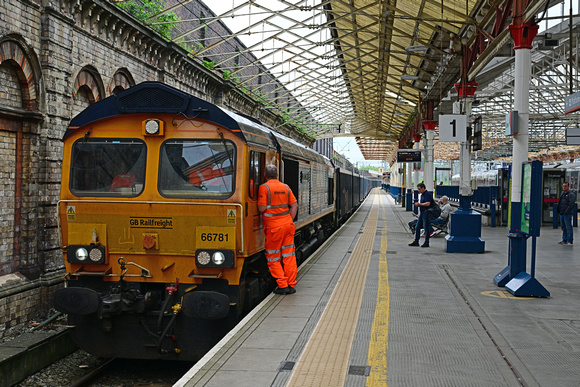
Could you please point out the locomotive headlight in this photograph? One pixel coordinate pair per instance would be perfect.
(95, 254)
(218, 258)
(152, 127)
(215, 258)
(203, 258)
(81, 254)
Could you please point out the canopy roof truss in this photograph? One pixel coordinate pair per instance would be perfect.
(549, 86)
(363, 68)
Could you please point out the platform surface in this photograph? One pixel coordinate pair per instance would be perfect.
(372, 311)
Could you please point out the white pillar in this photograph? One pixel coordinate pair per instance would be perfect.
(416, 170)
(409, 178)
(399, 180)
(521, 105)
(464, 154)
(428, 175)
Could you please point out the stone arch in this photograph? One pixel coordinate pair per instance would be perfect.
(122, 80)
(16, 56)
(87, 89)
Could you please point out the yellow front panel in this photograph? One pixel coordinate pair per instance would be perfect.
(82, 233)
(179, 228)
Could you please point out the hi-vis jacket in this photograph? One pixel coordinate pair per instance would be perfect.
(277, 197)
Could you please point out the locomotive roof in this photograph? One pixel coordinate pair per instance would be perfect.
(156, 97)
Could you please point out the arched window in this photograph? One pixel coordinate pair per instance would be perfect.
(88, 88)
(122, 80)
(17, 75)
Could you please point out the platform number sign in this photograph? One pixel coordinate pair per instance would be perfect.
(452, 128)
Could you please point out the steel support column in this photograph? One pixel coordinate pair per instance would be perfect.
(523, 34)
(429, 124)
(465, 224)
(409, 192)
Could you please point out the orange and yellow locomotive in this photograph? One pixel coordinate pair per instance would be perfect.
(159, 223)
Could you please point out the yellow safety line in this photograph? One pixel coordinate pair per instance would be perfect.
(324, 361)
(378, 345)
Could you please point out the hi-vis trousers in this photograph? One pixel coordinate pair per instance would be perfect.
(280, 255)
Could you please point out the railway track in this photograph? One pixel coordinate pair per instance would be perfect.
(86, 379)
(81, 369)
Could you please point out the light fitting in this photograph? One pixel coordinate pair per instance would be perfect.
(416, 48)
(409, 77)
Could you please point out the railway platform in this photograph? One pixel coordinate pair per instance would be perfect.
(372, 311)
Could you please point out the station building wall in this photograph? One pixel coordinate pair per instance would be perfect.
(56, 58)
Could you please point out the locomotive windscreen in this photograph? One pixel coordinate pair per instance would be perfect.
(197, 168)
(107, 167)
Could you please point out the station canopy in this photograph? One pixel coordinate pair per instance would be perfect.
(366, 68)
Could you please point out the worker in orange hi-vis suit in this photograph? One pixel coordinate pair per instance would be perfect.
(278, 206)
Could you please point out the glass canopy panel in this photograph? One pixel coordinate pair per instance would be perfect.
(325, 64)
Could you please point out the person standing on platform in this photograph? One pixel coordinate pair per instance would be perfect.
(424, 204)
(278, 206)
(566, 211)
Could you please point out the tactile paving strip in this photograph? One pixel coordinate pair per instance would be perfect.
(324, 361)
(378, 343)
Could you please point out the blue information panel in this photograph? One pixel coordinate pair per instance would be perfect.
(531, 198)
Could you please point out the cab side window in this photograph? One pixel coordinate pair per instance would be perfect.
(257, 160)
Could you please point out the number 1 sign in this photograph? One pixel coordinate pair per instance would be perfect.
(452, 128)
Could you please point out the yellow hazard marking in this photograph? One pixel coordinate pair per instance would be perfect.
(127, 238)
(504, 294)
(377, 356)
(231, 216)
(324, 361)
(71, 213)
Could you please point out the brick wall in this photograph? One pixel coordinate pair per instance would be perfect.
(7, 146)
(57, 57)
(22, 300)
(18, 309)
(9, 92)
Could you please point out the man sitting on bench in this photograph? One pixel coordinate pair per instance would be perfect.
(446, 209)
